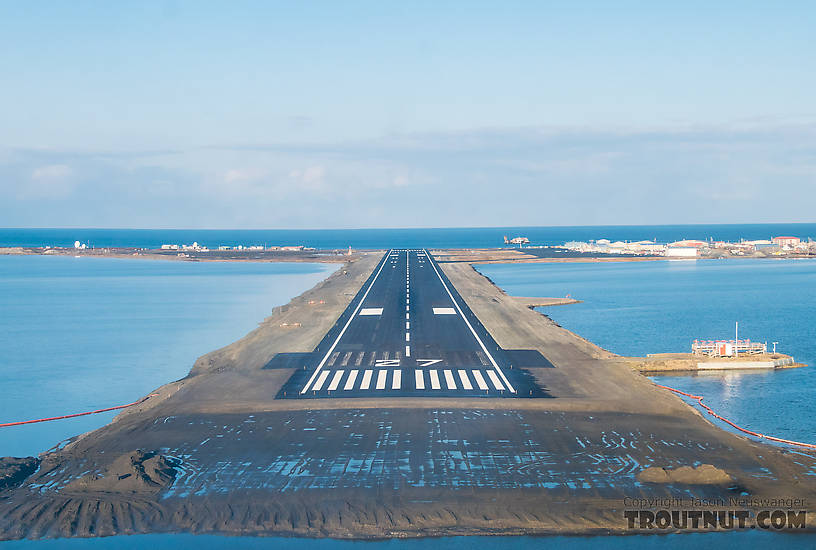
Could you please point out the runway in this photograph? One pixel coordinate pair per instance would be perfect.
(408, 333)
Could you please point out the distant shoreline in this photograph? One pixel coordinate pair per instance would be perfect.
(465, 255)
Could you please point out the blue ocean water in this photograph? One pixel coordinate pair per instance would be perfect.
(637, 308)
(385, 238)
(81, 334)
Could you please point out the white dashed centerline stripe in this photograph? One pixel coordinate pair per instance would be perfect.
(407, 351)
(472, 330)
(351, 317)
(407, 336)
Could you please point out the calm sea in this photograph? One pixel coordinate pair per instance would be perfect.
(82, 333)
(637, 308)
(400, 238)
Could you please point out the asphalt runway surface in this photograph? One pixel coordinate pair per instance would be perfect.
(408, 333)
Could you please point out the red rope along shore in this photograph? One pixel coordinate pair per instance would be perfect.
(142, 400)
(699, 399)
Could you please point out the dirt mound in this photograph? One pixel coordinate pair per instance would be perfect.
(134, 472)
(704, 474)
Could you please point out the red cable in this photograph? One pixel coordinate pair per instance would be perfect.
(699, 399)
(6, 425)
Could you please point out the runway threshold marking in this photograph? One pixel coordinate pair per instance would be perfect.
(366, 382)
(419, 379)
(480, 381)
(381, 379)
(352, 377)
(342, 332)
(465, 380)
(473, 331)
(335, 380)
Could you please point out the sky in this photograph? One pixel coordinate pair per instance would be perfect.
(406, 114)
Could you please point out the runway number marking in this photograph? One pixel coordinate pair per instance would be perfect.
(387, 362)
(428, 362)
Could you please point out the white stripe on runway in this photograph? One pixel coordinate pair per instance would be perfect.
(407, 336)
(321, 380)
(366, 380)
(495, 379)
(381, 379)
(407, 325)
(338, 374)
(434, 380)
(407, 351)
(449, 380)
(396, 380)
(480, 381)
(420, 379)
(465, 380)
(352, 377)
(407, 315)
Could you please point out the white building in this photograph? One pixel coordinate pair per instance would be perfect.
(681, 252)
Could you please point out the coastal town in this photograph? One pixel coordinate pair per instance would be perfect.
(782, 246)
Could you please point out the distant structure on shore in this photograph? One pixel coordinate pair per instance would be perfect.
(778, 246)
(516, 240)
(195, 247)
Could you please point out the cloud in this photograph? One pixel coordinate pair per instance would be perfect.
(50, 182)
(311, 177)
(483, 177)
(53, 172)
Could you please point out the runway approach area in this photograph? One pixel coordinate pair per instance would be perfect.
(407, 332)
